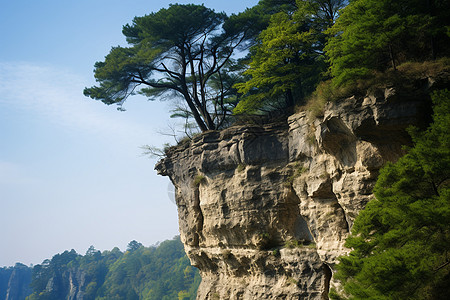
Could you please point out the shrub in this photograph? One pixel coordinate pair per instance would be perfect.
(199, 179)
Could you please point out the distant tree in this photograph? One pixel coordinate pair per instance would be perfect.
(157, 273)
(47, 279)
(133, 246)
(401, 240)
(288, 61)
(91, 251)
(151, 273)
(183, 51)
(378, 34)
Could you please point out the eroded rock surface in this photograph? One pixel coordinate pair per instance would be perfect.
(264, 210)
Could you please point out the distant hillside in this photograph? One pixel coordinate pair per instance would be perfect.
(161, 272)
(15, 282)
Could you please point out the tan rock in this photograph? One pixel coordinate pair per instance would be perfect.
(264, 210)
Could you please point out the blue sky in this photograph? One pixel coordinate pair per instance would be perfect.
(72, 173)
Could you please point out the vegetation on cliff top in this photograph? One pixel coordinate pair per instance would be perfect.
(380, 34)
(401, 240)
(194, 54)
(288, 60)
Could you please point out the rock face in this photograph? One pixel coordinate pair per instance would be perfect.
(15, 282)
(69, 284)
(264, 210)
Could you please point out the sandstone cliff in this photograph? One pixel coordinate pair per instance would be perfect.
(264, 210)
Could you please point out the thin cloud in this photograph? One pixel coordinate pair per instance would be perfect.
(57, 96)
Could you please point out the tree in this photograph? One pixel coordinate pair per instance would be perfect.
(91, 251)
(183, 51)
(401, 240)
(161, 272)
(288, 61)
(134, 245)
(378, 34)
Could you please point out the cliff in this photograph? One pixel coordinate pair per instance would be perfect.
(68, 284)
(264, 210)
(15, 282)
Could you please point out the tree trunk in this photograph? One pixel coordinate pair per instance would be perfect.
(198, 119)
(391, 54)
(289, 98)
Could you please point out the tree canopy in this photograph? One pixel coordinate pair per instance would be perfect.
(378, 34)
(160, 273)
(288, 60)
(133, 246)
(401, 240)
(183, 51)
(192, 53)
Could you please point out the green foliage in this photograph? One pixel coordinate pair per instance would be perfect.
(401, 240)
(133, 246)
(297, 172)
(276, 252)
(288, 60)
(376, 34)
(161, 272)
(150, 273)
(291, 244)
(256, 18)
(241, 167)
(199, 179)
(405, 76)
(292, 281)
(183, 51)
(327, 91)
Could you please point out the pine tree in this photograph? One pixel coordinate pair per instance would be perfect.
(401, 240)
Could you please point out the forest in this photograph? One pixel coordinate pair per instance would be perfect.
(275, 57)
(157, 272)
